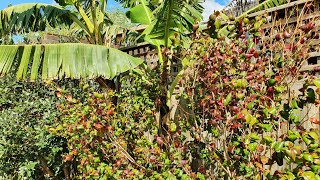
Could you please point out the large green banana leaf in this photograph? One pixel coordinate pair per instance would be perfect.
(33, 17)
(169, 18)
(176, 16)
(264, 5)
(141, 13)
(69, 60)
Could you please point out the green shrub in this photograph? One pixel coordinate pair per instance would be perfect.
(248, 117)
(234, 116)
(27, 150)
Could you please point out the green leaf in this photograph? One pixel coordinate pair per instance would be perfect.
(271, 111)
(254, 137)
(22, 70)
(251, 44)
(250, 105)
(292, 137)
(7, 57)
(36, 63)
(279, 89)
(315, 168)
(241, 83)
(308, 175)
(258, 24)
(217, 24)
(314, 146)
(311, 96)
(173, 127)
(246, 152)
(173, 18)
(288, 176)
(223, 32)
(315, 156)
(141, 13)
(59, 127)
(306, 139)
(200, 176)
(314, 135)
(32, 17)
(266, 127)
(69, 60)
(252, 146)
(278, 146)
(317, 82)
(228, 99)
(291, 153)
(96, 159)
(308, 157)
(294, 104)
(231, 27)
(268, 139)
(173, 86)
(249, 118)
(294, 116)
(64, 2)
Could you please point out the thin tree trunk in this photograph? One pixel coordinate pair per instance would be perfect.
(110, 85)
(66, 171)
(44, 166)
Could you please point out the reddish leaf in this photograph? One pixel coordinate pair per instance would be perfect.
(315, 120)
(236, 126)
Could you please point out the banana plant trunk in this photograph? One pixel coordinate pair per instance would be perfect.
(107, 85)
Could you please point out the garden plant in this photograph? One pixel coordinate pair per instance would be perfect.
(240, 108)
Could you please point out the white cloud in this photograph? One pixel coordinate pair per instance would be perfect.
(209, 7)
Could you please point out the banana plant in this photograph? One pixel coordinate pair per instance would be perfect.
(175, 20)
(166, 21)
(65, 60)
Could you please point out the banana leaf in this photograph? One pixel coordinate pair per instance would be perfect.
(67, 60)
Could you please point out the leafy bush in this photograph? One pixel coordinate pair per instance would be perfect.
(106, 139)
(235, 115)
(27, 150)
(246, 113)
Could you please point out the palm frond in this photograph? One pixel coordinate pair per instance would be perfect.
(32, 17)
(68, 60)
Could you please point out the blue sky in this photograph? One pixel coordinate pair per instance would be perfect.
(4, 3)
(210, 5)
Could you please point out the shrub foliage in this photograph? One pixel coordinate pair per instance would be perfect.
(27, 149)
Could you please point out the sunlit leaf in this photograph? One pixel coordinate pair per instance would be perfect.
(69, 60)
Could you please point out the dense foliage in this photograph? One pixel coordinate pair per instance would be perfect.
(248, 114)
(27, 150)
(240, 108)
(237, 117)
